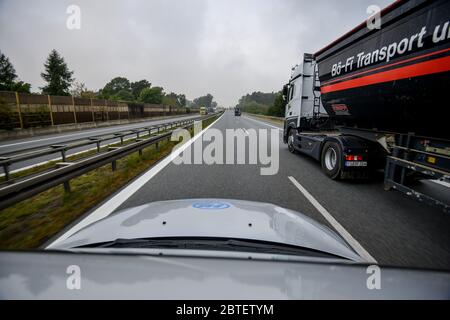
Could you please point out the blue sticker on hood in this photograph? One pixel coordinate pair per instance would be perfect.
(211, 205)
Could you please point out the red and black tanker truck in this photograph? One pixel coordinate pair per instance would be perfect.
(378, 98)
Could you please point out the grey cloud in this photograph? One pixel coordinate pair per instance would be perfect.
(225, 47)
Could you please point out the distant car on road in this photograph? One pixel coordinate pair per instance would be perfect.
(203, 111)
(237, 111)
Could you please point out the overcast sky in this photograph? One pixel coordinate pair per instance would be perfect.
(224, 47)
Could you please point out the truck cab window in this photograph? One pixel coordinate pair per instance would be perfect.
(291, 92)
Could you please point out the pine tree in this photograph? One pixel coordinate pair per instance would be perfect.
(57, 75)
(7, 73)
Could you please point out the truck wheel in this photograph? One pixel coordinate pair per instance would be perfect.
(290, 141)
(331, 160)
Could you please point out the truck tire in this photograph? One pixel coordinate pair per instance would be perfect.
(290, 140)
(331, 160)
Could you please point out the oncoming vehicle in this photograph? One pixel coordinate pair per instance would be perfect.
(203, 111)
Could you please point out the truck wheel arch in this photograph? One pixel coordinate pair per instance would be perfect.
(332, 139)
(289, 127)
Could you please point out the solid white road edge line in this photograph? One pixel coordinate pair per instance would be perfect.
(108, 207)
(264, 123)
(336, 225)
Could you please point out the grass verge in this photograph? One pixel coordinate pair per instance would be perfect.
(274, 120)
(32, 222)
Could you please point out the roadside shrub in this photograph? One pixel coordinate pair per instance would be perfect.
(7, 116)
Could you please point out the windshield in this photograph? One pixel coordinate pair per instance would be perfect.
(314, 130)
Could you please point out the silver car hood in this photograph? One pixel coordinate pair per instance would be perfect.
(44, 275)
(213, 218)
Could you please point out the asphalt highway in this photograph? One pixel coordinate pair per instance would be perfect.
(390, 227)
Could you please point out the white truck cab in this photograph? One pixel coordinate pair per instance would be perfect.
(302, 95)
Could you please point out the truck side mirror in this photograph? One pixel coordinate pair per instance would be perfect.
(285, 92)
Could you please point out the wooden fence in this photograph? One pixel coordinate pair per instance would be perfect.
(22, 110)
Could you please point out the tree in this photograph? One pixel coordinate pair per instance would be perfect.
(7, 73)
(259, 102)
(152, 95)
(123, 95)
(174, 99)
(277, 109)
(8, 76)
(138, 86)
(114, 86)
(258, 97)
(254, 107)
(182, 100)
(78, 88)
(21, 86)
(204, 101)
(57, 75)
(170, 99)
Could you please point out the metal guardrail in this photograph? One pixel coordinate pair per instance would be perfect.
(14, 192)
(8, 159)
